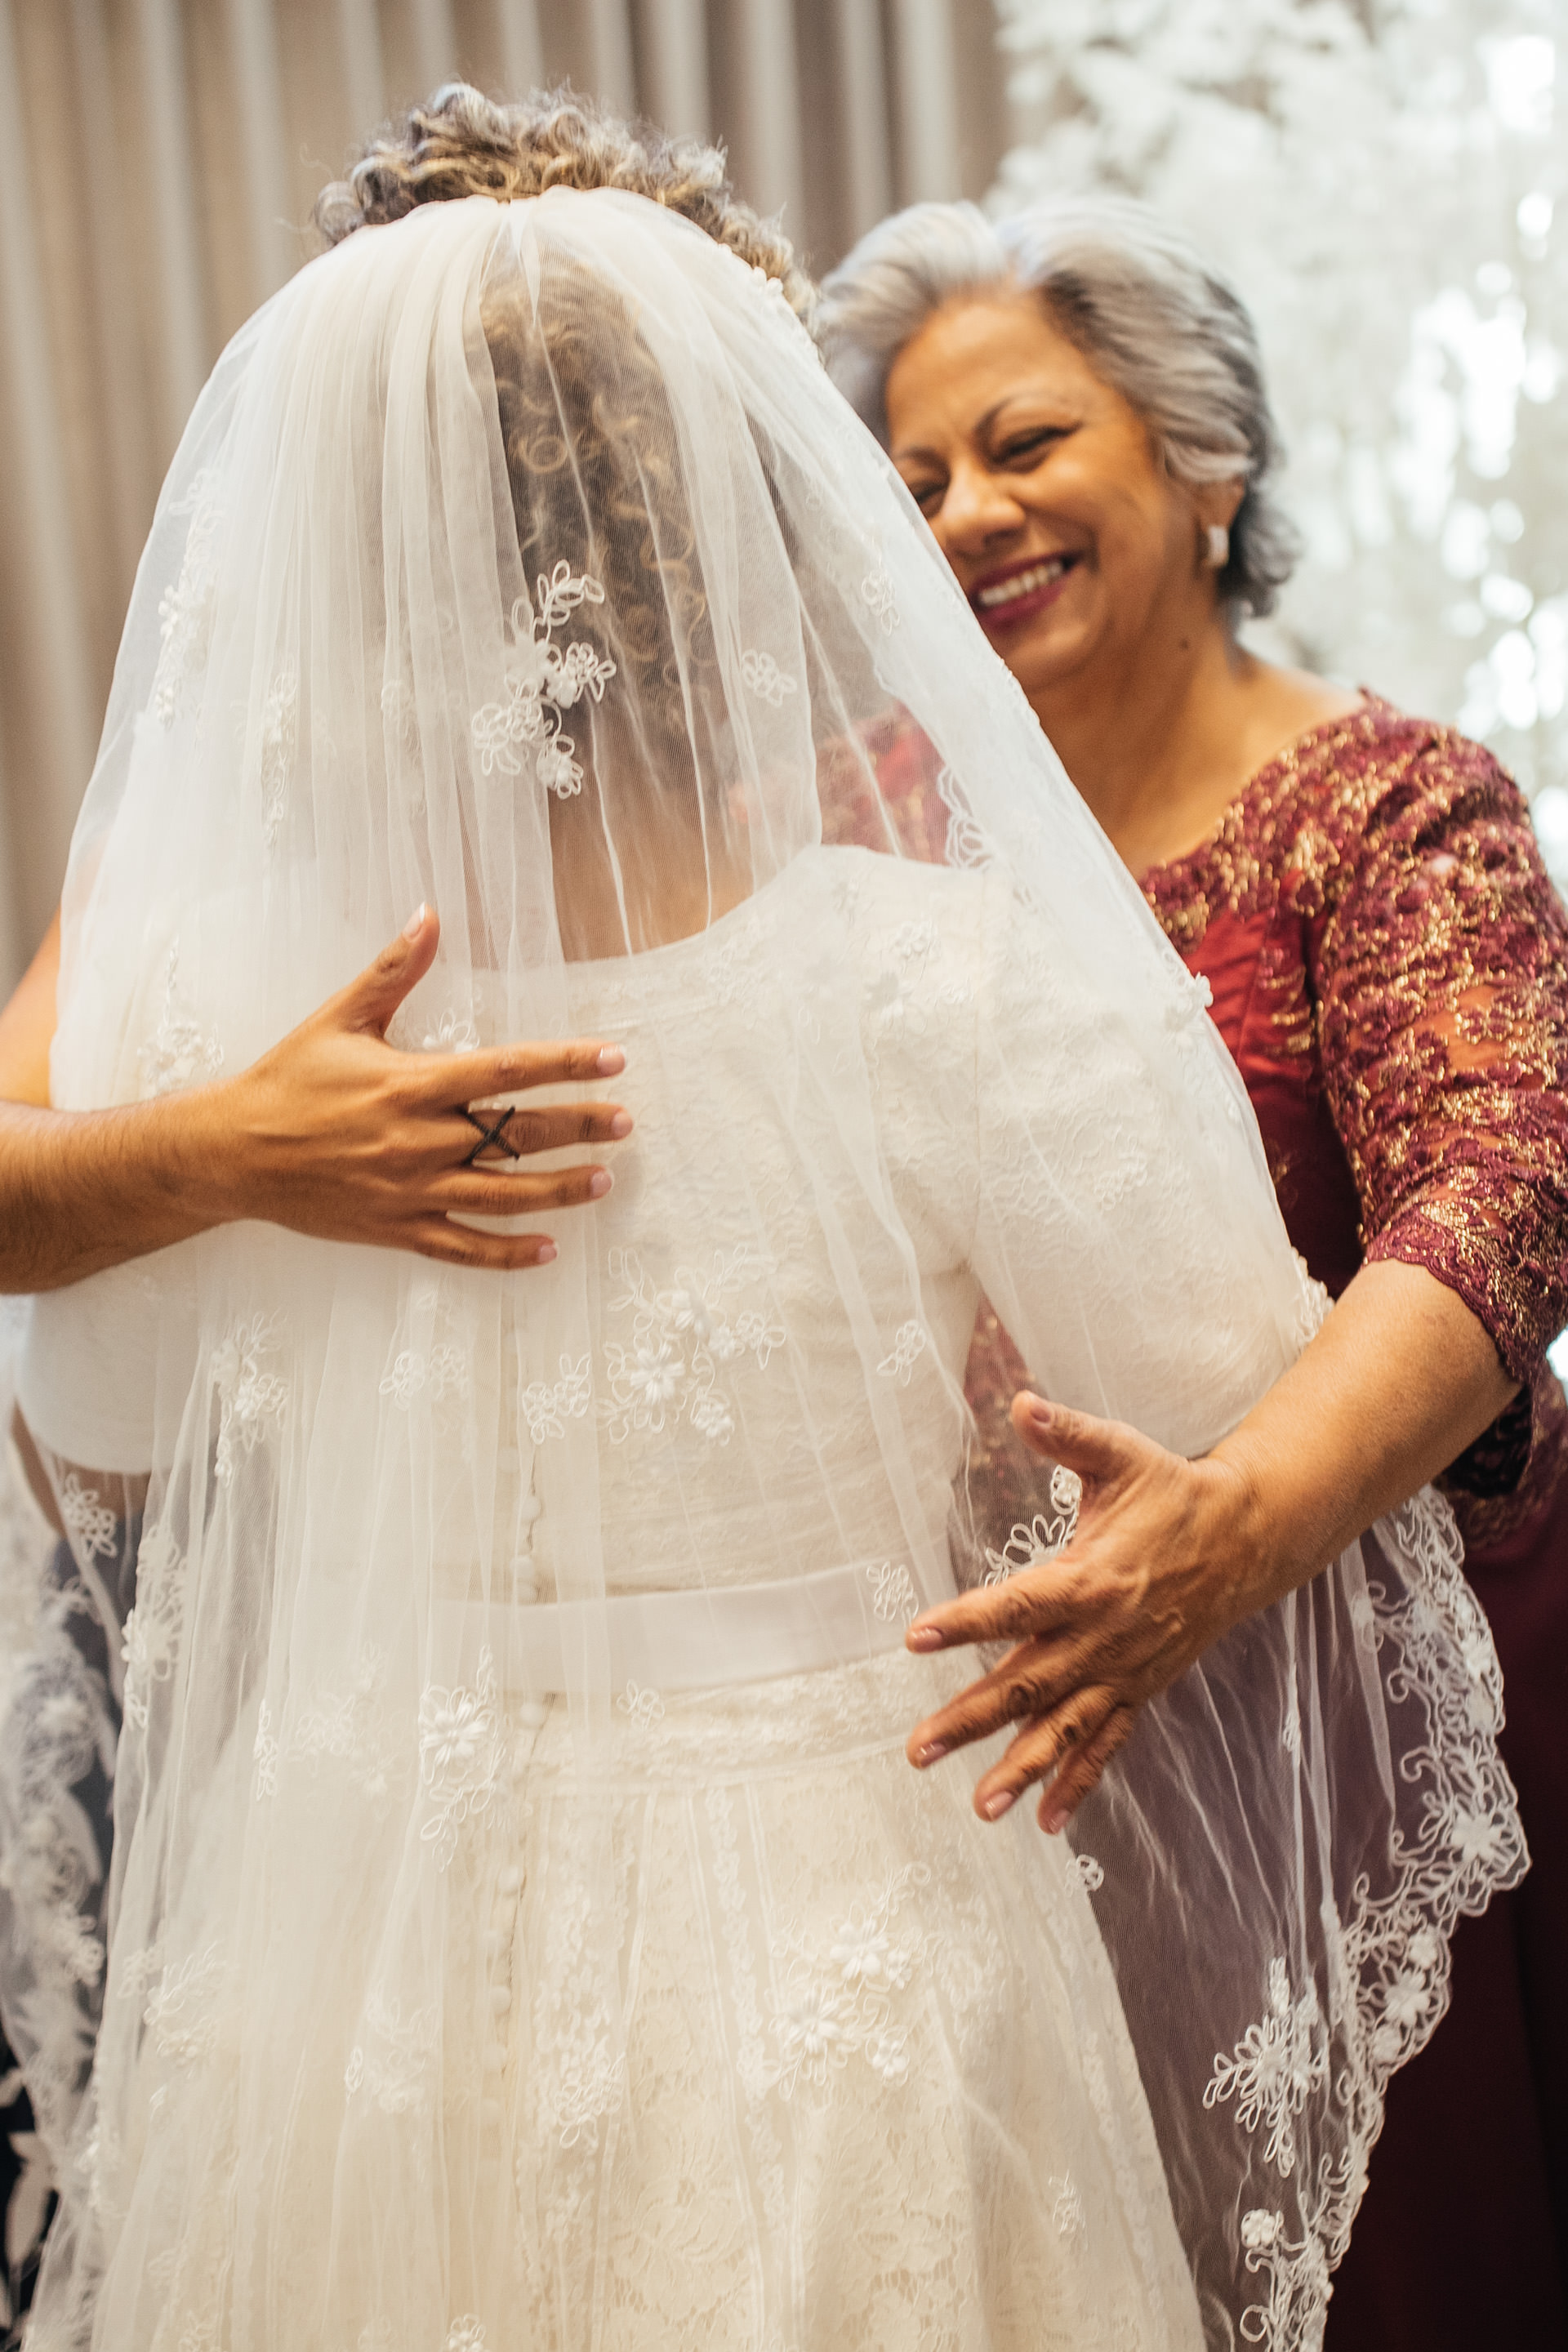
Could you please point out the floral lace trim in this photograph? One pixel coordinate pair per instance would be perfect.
(180, 1053)
(250, 1397)
(543, 679)
(839, 1992)
(185, 611)
(1389, 1970)
(681, 1337)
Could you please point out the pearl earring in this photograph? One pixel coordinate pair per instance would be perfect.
(1218, 546)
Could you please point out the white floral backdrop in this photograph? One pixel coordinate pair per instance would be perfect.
(1384, 181)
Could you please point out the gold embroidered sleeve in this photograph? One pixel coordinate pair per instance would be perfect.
(1440, 967)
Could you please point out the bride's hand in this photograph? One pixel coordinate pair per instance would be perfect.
(338, 1134)
(1153, 1574)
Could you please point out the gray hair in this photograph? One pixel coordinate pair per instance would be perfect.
(1152, 318)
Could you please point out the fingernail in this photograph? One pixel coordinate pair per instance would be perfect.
(599, 1183)
(994, 1807)
(610, 1060)
(922, 1637)
(1051, 1821)
(933, 1753)
(621, 1124)
(546, 1251)
(1039, 1411)
(411, 928)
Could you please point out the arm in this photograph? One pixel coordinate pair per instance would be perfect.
(333, 1132)
(1168, 1554)
(1440, 972)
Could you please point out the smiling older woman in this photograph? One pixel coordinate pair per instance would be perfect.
(1077, 404)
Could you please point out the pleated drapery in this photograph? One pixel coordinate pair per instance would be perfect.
(157, 172)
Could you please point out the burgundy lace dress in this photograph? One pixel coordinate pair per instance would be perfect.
(1390, 969)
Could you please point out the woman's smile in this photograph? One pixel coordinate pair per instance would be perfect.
(1012, 592)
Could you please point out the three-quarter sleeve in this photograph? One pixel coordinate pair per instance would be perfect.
(1440, 965)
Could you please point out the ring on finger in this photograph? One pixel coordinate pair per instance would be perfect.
(487, 1134)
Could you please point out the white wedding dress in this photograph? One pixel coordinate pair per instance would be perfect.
(527, 1934)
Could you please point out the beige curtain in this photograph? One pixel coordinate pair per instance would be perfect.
(158, 166)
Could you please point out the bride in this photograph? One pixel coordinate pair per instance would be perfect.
(526, 1928)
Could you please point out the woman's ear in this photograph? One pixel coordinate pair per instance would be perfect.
(1217, 506)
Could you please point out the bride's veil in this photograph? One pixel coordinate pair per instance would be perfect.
(522, 558)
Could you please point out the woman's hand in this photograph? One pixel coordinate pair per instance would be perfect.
(336, 1133)
(1155, 1570)
(1169, 1554)
(333, 1132)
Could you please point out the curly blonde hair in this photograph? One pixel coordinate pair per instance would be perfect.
(460, 144)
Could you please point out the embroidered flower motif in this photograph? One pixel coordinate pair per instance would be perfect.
(181, 2013)
(454, 1033)
(765, 679)
(681, 1338)
(645, 1707)
(813, 2029)
(968, 843)
(839, 1990)
(465, 2335)
(1408, 1999)
(1297, 2275)
(1478, 1837)
(1042, 1535)
(279, 744)
(395, 2061)
(180, 1052)
(441, 1375)
(908, 1345)
(250, 1396)
(894, 1600)
(151, 1642)
(185, 611)
(89, 1523)
(877, 593)
(1089, 1872)
(548, 1405)
(1275, 2066)
(462, 1760)
(353, 1727)
(1066, 2207)
(543, 679)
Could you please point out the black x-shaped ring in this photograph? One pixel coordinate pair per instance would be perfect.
(496, 1134)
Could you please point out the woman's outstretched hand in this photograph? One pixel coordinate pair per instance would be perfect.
(1168, 1554)
(338, 1134)
(333, 1132)
(1155, 1570)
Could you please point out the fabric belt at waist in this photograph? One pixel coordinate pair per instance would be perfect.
(692, 1640)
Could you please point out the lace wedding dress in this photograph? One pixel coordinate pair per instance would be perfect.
(526, 1930)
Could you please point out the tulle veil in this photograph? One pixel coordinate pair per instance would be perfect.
(520, 558)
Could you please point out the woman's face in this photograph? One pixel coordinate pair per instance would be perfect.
(1044, 491)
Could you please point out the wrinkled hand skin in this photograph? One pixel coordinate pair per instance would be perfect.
(1148, 1581)
(1168, 1555)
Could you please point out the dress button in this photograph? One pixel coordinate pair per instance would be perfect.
(530, 1509)
(510, 1880)
(500, 1999)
